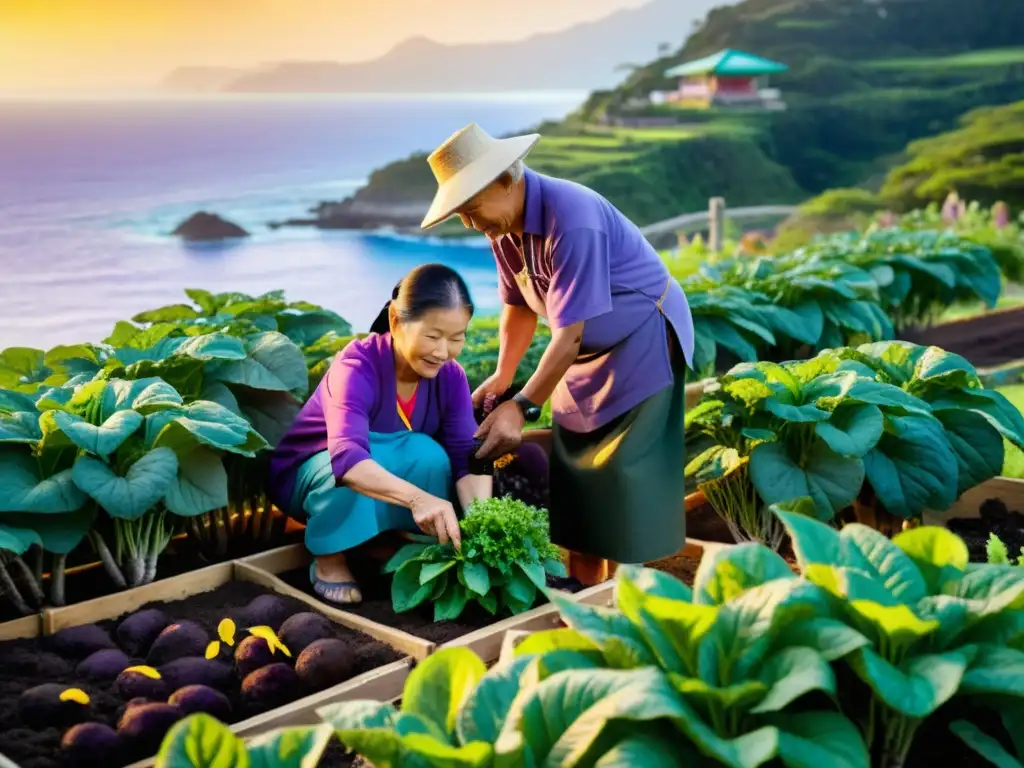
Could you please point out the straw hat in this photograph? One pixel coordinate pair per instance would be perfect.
(466, 163)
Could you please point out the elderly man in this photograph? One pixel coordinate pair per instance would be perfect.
(621, 337)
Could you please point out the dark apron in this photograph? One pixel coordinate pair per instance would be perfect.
(617, 492)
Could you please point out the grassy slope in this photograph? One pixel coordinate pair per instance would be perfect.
(861, 86)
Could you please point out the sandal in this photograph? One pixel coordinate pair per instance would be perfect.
(332, 591)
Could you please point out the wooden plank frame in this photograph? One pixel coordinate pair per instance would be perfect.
(276, 561)
(1007, 489)
(486, 641)
(382, 684)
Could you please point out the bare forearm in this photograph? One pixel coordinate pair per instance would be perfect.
(563, 349)
(518, 324)
(371, 479)
(472, 487)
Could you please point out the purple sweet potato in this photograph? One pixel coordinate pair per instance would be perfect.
(176, 641)
(133, 684)
(301, 629)
(89, 744)
(137, 632)
(270, 686)
(252, 654)
(202, 698)
(195, 670)
(46, 706)
(141, 729)
(265, 611)
(323, 664)
(104, 665)
(79, 642)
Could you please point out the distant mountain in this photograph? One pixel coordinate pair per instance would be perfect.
(585, 56)
(200, 79)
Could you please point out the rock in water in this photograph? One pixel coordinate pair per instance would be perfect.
(208, 227)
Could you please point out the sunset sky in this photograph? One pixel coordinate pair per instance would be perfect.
(130, 44)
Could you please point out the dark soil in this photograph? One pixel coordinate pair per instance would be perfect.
(995, 518)
(987, 340)
(376, 603)
(704, 524)
(335, 756)
(27, 663)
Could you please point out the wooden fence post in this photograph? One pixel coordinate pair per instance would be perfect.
(716, 223)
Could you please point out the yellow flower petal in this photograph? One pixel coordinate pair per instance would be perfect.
(213, 649)
(147, 671)
(75, 694)
(273, 642)
(226, 631)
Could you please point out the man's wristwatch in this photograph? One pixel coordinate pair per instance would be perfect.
(530, 410)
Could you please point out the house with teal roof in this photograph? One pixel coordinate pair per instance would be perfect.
(729, 78)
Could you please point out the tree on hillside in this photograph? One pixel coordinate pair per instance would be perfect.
(982, 160)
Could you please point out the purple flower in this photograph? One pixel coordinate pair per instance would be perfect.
(953, 208)
(1000, 215)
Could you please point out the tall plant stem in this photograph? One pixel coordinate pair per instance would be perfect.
(57, 580)
(107, 558)
(736, 501)
(29, 578)
(8, 586)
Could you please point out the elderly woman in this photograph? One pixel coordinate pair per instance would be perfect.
(621, 337)
(378, 445)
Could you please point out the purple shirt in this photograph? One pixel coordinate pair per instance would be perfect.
(590, 264)
(358, 396)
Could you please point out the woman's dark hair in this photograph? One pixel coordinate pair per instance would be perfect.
(427, 287)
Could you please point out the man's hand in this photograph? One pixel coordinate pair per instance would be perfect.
(495, 385)
(502, 431)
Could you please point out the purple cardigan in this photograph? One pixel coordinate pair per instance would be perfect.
(358, 396)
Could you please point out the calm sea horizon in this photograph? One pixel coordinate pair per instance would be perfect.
(90, 187)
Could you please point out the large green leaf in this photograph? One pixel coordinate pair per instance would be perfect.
(201, 741)
(483, 712)
(819, 739)
(202, 423)
(142, 395)
(987, 747)
(100, 440)
(439, 685)
(977, 444)
(853, 430)
(23, 369)
(290, 747)
(200, 486)
(830, 480)
(792, 673)
(21, 427)
(913, 467)
(23, 490)
(131, 496)
(939, 554)
(915, 688)
(621, 642)
(274, 363)
(725, 573)
(17, 540)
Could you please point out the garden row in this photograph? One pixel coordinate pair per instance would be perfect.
(863, 651)
(247, 642)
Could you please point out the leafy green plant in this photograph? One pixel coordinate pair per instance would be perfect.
(131, 449)
(530, 710)
(937, 627)
(771, 433)
(505, 557)
(201, 741)
(997, 553)
(906, 426)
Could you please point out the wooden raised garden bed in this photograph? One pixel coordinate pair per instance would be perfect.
(355, 665)
(996, 506)
(290, 565)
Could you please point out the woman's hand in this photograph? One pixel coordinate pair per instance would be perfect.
(502, 431)
(494, 385)
(436, 517)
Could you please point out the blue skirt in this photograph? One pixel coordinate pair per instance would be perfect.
(338, 518)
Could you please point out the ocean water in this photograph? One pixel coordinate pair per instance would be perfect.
(89, 189)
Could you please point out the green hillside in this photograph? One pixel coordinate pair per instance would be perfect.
(866, 78)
